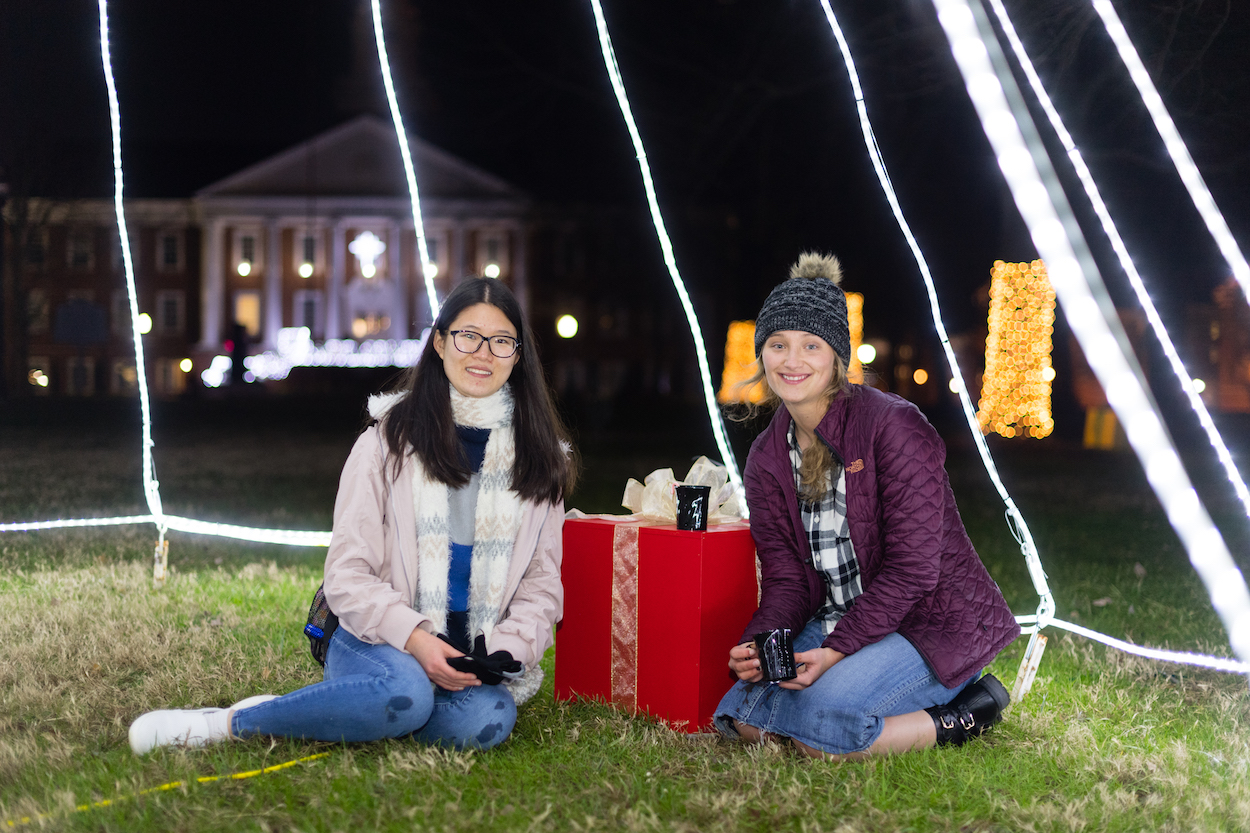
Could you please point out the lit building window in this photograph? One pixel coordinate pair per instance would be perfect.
(247, 311)
(370, 324)
(1015, 392)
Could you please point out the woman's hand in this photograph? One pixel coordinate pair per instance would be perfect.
(432, 653)
(744, 662)
(812, 665)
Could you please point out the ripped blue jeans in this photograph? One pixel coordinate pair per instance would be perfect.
(372, 692)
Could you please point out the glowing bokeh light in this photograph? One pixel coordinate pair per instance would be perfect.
(866, 353)
(566, 326)
(185, 365)
(367, 247)
(740, 365)
(1200, 385)
(244, 268)
(305, 270)
(855, 325)
(431, 270)
(920, 376)
(144, 323)
(491, 270)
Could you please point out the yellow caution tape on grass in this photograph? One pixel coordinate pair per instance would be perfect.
(173, 785)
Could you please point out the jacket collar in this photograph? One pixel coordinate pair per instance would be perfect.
(775, 447)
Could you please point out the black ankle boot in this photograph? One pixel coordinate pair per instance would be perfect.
(975, 709)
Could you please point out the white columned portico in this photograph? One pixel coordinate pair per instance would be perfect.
(213, 287)
(401, 320)
(273, 284)
(335, 280)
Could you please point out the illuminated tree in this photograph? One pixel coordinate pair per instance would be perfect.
(1015, 393)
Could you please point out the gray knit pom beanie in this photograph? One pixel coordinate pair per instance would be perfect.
(811, 301)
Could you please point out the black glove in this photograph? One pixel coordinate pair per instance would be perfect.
(491, 669)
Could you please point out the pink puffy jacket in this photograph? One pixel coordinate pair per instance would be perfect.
(920, 574)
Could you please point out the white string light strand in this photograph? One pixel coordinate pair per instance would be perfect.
(1126, 261)
(1019, 529)
(151, 488)
(33, 526)
(409, 170)
(1184, 162)
(1182, 657)
(1073, 277)
(290, 537)
(618, 86)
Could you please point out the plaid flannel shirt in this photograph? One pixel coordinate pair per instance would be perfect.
(829, 534)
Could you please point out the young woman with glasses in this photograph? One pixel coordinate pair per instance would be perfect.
(444, 561)
(862, 554)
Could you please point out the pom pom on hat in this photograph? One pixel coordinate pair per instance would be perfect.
(812, 265)
(810, 301)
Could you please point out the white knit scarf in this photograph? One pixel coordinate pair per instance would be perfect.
(495, 523)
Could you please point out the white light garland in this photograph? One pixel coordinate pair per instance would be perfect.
(1175, 145)
(151, 488)
(709, 396)
(292, 537)
(1029, 625)
(427, 273)
(1040, 209)
(1015, 520)
(33, 526)
(1192, 392)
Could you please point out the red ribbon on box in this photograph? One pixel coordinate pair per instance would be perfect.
(625, 616)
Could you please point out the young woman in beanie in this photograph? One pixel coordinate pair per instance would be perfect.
(862, 554)
(446, 543)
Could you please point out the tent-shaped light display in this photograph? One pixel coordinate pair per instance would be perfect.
(1015, 394)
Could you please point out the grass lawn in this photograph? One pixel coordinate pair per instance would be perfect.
(1104, 742)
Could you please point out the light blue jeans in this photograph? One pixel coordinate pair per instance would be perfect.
(845, 709)
(372, 692)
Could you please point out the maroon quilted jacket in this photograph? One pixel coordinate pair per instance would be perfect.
(920, 575)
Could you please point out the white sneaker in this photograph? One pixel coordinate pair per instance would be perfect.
(178, 727)
(254, 700)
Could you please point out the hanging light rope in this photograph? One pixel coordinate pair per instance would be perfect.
(709, 396)
(1194, 183)
(1029, 624)
(1015, 520)
(409, 171)
(1126, 261)
(151, 488)
(1089, 311)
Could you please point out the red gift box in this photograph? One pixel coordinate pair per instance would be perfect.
(650, 613)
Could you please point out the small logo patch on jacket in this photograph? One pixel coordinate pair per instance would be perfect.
(858, 465)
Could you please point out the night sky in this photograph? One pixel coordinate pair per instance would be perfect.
(743, 104)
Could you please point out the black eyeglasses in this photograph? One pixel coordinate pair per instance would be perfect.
(501, 347)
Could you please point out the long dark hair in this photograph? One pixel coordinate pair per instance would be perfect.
(421, 423)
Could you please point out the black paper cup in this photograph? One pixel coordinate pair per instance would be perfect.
(692, 507)
(775, 650)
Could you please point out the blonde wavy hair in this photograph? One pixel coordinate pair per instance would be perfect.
(818, 463)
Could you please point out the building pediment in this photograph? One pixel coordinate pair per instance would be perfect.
(361, 159)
